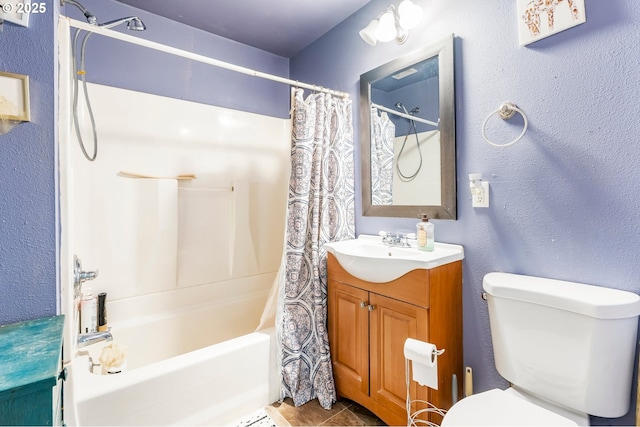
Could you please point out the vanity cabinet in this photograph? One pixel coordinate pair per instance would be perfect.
(369, 323)
(30, 372)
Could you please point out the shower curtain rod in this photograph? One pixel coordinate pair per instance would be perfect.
(196, 57)
(406, 116)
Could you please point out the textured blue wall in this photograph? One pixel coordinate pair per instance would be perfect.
(564, 201)
(27, 178)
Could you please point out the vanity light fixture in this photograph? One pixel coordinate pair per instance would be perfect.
(479, 191)
(393, 23)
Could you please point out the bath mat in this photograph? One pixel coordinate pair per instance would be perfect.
(259, 418)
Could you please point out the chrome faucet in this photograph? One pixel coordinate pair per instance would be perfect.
(93, 337)
(394, 239)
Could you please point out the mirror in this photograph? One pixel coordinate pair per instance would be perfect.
(407, 131)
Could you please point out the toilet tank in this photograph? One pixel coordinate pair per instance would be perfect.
(570, 343)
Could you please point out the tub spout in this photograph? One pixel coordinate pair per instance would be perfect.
(94, 337)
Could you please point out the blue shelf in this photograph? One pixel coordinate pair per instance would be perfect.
(30, 366)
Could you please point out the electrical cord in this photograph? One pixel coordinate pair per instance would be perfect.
(413, 418)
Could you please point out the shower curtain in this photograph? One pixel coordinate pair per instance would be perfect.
(383, 133)
(320, 209)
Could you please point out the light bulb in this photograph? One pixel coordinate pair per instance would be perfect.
(368, 33)
(409, 14)
(387, 28)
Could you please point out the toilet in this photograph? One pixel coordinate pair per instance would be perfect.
(566, 348)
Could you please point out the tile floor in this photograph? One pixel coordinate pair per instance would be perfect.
(343, 413)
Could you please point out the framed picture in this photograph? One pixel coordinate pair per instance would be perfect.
(16, 12)
(14, 97)
(538, 19)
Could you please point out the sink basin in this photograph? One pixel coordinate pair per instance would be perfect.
(368, 259)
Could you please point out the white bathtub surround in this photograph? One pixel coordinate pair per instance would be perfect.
(187, 268)
(320, 208)
(169, 324)
(153, 235)
(205, 215)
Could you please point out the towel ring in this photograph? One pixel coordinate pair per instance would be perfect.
(506, 111)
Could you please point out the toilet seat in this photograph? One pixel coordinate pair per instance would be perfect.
(501, 408)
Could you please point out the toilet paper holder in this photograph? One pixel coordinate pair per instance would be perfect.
(417, 351)
(435, 353)
(426, 354)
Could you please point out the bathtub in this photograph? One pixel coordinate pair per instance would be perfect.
(187, 364)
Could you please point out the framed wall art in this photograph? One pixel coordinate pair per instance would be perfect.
(14, 97)
(17, 11)
(538, 19)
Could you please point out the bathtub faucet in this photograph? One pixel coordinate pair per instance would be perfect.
(93, 337)
(80, 276)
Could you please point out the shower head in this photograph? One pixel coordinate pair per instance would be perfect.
(400, 105)
(91, 18)
(136, 24)
(133, 23)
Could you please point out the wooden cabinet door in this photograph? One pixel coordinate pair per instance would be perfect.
(391, 323)
(348, 325)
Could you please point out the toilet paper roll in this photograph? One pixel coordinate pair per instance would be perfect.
(424, 362)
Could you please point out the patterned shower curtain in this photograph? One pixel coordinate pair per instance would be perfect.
(383, 133)
(320, 209)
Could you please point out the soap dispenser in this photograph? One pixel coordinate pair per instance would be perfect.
(425, 234)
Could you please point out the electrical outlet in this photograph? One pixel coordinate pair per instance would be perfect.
(481, 200)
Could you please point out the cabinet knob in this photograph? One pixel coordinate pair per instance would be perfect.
(363, 304)
(371, 307)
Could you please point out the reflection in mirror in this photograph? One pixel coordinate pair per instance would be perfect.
(405, 156)
(408, 135)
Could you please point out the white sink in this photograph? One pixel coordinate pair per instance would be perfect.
(368, 259)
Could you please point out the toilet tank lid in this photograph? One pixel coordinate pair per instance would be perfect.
(590, 300)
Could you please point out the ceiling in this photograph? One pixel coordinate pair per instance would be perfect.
(283, 27)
